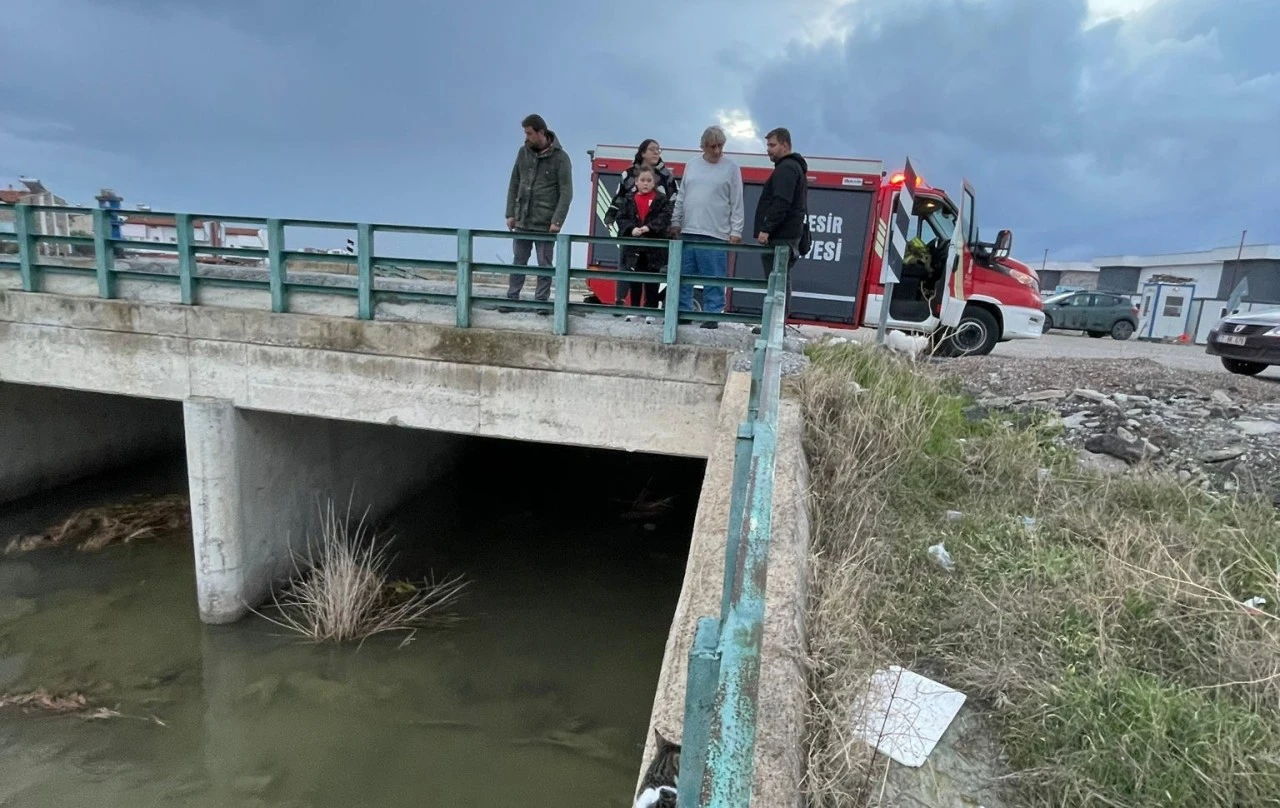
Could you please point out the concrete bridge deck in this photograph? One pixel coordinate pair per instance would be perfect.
(247, 379)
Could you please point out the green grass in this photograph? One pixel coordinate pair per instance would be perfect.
(1107, 645)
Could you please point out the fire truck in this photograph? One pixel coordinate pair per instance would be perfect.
(966, 306)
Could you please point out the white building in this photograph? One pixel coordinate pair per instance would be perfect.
(1065, 276)
(145, 226)
(243, 237)
(1186, 293)
(43, 222)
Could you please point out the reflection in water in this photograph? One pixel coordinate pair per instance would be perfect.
(539, 696)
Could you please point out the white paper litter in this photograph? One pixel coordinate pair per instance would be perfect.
(905, 714)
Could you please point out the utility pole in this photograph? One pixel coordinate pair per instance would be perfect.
(1045, 262)
(1240, 251)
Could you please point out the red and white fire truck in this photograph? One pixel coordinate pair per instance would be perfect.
(838, 284)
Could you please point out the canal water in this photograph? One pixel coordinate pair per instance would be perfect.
(538, 696)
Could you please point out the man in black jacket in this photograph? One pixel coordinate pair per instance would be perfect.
(783, 208)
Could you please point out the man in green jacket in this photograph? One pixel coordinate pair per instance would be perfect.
(538, 200)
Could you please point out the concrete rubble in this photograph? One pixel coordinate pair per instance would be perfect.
(1215, 431)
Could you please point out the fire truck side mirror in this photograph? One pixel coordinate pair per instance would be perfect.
(1004, 245)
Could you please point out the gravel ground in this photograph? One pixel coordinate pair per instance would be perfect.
(1012, 376)
(1213, 429)
(1186, 357)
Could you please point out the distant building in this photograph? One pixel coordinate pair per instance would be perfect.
(1066, 276)
(1193, 288)
(145, 226)
(43, 222)
(1178, 293)
(244, 237)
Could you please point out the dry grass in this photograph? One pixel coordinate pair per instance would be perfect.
(341, 590)
(46, 701)
(1108, 643)
(92, 529)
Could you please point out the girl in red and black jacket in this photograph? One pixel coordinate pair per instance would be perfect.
(645, 213)
(648, 155)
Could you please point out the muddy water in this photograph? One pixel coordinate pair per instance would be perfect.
(539, 696)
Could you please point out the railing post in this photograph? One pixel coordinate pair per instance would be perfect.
(104, 255)
(364, 271)
(671, 306)
(275, 262)
(560, 308)
(781, 256)
(699, 704)
(463, 290)
(26, 248)
(737, 507)
(761, 344)
(186, 259)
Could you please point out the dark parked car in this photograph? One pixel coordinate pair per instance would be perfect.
(1095, 313)
(1248, 343)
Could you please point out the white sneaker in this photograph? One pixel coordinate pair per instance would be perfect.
(631, 318)
(649, 321)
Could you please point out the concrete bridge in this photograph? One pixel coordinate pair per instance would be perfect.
(255, 367)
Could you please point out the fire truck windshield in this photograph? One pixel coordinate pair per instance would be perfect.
(933, 214)
(933, 221)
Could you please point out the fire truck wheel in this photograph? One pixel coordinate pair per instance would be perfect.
(592, 299)
(976, 335)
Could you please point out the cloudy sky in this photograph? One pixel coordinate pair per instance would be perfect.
(1088, 126)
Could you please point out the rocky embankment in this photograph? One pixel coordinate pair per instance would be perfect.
(1217, 431)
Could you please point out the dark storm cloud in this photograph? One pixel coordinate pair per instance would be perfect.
(1157, 132)
(1154, 133)
(393, 111)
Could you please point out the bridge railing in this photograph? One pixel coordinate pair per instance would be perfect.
(268, 267)
(717, 760)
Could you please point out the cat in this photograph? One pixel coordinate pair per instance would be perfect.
(658, 788)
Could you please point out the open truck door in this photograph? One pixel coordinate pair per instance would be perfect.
(959, 259)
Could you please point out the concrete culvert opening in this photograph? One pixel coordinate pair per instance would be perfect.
(51, 437)
(574, 557)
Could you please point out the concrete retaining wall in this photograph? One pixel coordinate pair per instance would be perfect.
(49, 436)
(258, 480)
(779, 753)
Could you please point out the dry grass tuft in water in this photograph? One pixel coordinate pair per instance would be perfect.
(341, 589)
(1108, 644)
(92, 529)
(73, 703)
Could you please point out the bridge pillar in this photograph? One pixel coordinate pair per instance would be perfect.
(258, 480)
(223, 561)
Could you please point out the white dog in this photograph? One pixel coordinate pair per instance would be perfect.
(912, 345)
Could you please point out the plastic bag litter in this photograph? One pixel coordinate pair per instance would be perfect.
(941, 557)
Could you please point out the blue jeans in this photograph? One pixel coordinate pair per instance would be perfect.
(698, 260)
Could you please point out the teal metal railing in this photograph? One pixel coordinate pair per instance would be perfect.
(369, 266)
(717, 759)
